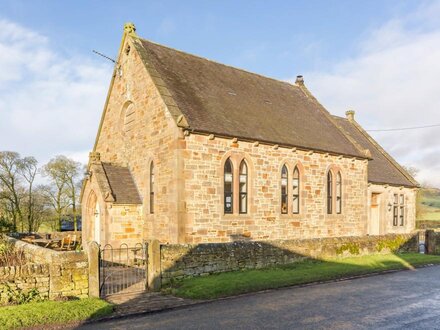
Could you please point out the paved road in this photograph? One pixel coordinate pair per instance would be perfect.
(409, 299)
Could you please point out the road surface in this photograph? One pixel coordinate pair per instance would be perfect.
(408, 299)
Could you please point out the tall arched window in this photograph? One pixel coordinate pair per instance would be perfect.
(284, 196)
(243, 186)
(295, 191)
(329, 192)
(228, 187)
(338, 193)
(151, 188)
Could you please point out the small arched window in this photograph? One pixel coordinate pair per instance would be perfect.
(329, 192)
(243, 186)
(129, 117)
(228, 187)
(284, 183)
(152, 188)
(338, 193)
(295, 191)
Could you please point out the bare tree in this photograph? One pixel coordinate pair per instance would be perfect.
(28, 170)
(10, 167)
(63, 174)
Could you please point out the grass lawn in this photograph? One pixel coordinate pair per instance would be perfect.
(52, 312)
(233, 283)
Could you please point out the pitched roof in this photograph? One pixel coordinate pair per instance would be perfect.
(122, 185)
(219, 99)
(382, 168)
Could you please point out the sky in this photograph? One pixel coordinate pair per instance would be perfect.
(380, 58)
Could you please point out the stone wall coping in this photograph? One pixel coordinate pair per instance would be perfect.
(40, 254)
(279, 242)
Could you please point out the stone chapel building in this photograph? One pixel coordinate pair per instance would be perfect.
(191, 151)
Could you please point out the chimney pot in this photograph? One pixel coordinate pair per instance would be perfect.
(350, 115)
(299, 80)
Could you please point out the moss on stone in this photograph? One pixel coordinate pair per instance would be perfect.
(352, 248)
(393, 245)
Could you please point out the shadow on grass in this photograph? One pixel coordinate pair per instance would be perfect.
(239, 267)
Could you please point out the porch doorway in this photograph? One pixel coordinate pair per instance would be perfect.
(375, 210)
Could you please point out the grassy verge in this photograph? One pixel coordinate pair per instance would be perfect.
(52, 312)
(233, 283)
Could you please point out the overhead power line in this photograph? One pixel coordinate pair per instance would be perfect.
(402, 129)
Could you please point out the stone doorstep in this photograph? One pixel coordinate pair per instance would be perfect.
(156, 302)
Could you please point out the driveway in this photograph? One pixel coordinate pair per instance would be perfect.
(409, 299)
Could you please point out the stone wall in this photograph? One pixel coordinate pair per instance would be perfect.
(432, 242)
(152, 137)
(204, 159)
(385, 200)
(428, 224)
(53, 273)
(179, 261)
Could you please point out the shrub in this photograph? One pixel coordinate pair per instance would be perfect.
(10, 255)
(18, 296)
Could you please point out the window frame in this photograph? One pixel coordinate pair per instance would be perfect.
(284, 195)
(296, 199)
(230, 193)
(329, 192)
(396, 210)
(243, 165)
(338, 199)
(152, 179)
(402, 212)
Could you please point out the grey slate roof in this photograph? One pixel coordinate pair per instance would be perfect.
(382, 168)
(122, 185)
(219, 99)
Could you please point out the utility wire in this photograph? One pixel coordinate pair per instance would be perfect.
(402, 129)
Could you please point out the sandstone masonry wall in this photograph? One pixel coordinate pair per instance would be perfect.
(385, 201)
(53, 273)
(150, 134)
(180, 261)
(203, 173)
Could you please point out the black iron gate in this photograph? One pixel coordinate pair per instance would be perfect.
(122, 270)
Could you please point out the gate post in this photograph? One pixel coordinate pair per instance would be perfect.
(93, 255)
(153, 273)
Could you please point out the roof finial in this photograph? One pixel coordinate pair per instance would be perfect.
(129, 28)
(350, 115)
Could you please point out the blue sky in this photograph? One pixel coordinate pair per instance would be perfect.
(378, 57)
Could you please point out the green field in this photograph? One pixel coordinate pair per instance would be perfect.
(429, 204)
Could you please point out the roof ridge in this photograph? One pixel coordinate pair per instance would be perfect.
(219, 63)
(383, 152)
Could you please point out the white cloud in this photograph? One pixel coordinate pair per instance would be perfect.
(49, 104)
(393, 82)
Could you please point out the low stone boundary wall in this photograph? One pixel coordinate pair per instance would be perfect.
(428, 224)
(178, 261)
(432, 242)
(53, 273)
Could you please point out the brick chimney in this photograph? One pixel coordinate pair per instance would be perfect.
(350, 115)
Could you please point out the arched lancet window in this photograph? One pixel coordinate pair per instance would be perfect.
(338, 193)
(329, 192)
(243, 186)
(228, 187)
(295, 191)
(129, 117)
(152, 188)
(284, 183)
